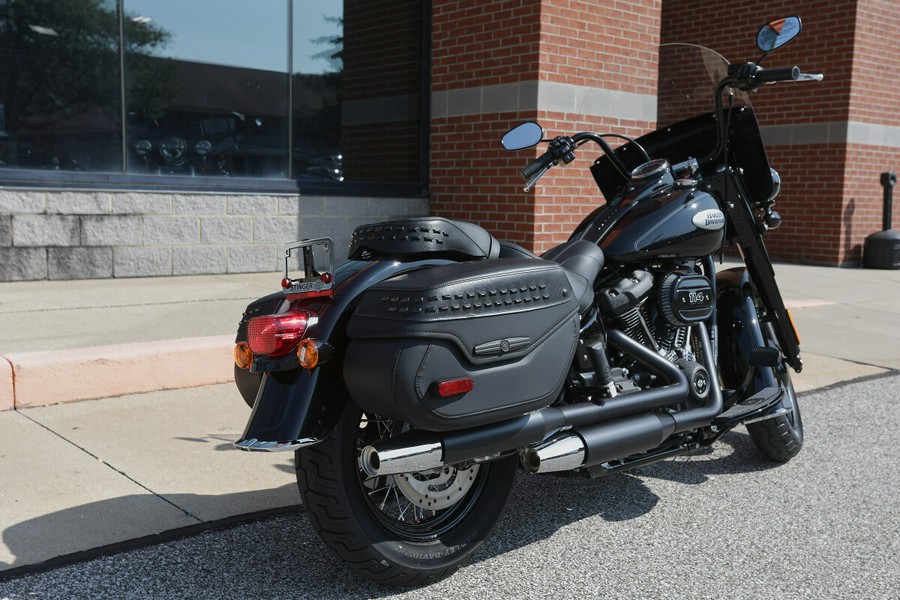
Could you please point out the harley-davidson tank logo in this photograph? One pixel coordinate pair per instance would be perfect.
(711, 219)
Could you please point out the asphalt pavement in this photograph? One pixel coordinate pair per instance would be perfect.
(720, 524)
(117, 417)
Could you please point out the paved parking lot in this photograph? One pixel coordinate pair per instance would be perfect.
(721, 524)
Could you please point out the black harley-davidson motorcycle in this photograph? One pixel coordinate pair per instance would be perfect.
(416, 379)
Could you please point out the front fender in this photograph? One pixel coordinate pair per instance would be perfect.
(299, 407)
(740, 331)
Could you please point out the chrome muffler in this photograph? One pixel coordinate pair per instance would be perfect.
(409, 455)
(596, 444)
(563, 452)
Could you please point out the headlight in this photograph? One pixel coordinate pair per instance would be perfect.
(172, 148)
(776, 184)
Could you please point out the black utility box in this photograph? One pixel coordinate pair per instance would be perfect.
(508, 328)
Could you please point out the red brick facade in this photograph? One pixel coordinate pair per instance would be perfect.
(832, 196)
(830, 141)
(555, 48)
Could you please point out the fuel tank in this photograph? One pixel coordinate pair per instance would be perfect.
(673, 224)
(666, 219)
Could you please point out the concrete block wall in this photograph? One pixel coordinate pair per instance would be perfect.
(87, 235)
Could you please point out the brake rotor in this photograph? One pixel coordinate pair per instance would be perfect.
(438, 488)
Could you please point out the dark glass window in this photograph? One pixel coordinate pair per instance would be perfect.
(322, 92)
(357, 90)
(59, 85)
(206, 87)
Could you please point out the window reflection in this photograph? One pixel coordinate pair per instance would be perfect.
(357, 74)
(59, 85)
(209, 99)
(321, 91)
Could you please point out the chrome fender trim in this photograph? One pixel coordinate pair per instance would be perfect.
(254, 445)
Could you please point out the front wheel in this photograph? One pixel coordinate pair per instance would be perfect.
(741, 329)
(780, 438)
(407, 529)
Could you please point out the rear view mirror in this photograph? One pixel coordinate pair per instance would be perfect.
(522, 136)
(777, 33)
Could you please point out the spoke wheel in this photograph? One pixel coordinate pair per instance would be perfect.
(420, 505)
(405, 529)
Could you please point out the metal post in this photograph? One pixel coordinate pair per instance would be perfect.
(882, 249)
(888, 180)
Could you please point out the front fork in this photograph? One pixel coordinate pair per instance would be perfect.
(744, 230)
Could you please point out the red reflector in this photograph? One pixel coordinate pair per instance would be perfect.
(274, 335)
(454, 387)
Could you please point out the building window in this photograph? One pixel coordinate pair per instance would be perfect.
(59, 85)
(324, 93)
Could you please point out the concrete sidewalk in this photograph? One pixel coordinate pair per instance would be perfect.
(78, 340)
(151, 453)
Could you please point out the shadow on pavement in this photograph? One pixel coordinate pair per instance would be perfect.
(287, 552)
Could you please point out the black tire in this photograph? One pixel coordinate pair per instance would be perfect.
(367, 523)
(780, 438)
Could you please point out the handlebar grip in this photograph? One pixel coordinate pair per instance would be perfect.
(542, 162)
(786, 74)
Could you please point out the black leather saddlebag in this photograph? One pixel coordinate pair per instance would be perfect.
(508, 327)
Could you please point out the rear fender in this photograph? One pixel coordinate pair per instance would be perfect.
(299, 407)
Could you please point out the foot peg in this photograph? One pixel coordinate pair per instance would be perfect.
(764, 357)
(757, 405)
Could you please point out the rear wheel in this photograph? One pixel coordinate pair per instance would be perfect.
(407, 529)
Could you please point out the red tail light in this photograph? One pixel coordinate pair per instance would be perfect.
(274, 335)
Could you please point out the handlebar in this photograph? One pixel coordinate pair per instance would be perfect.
(772, 75)
(542, 163)
(562, 148)
(746, 76)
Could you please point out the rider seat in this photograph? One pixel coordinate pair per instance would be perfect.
(423, 237)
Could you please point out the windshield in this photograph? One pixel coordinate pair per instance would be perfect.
(686, 124)
(688, 76)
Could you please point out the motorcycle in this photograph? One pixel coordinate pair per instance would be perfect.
(417, 378)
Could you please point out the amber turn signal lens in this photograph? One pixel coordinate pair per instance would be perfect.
(243, 357)
(794, 327)
(308, 353)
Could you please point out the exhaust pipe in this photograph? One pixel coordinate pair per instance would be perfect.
(416, 451)
(563, 452)
(625, 427)
(598, 444)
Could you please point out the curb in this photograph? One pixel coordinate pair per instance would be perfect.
(7, 391)
(50, 377)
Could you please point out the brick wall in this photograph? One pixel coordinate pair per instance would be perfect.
(830, 141)
(571, 65)
(85, 235)
(485, 58)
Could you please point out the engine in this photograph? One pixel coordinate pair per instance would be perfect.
(658, 309)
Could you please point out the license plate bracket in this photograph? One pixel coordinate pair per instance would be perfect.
(309, 268)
